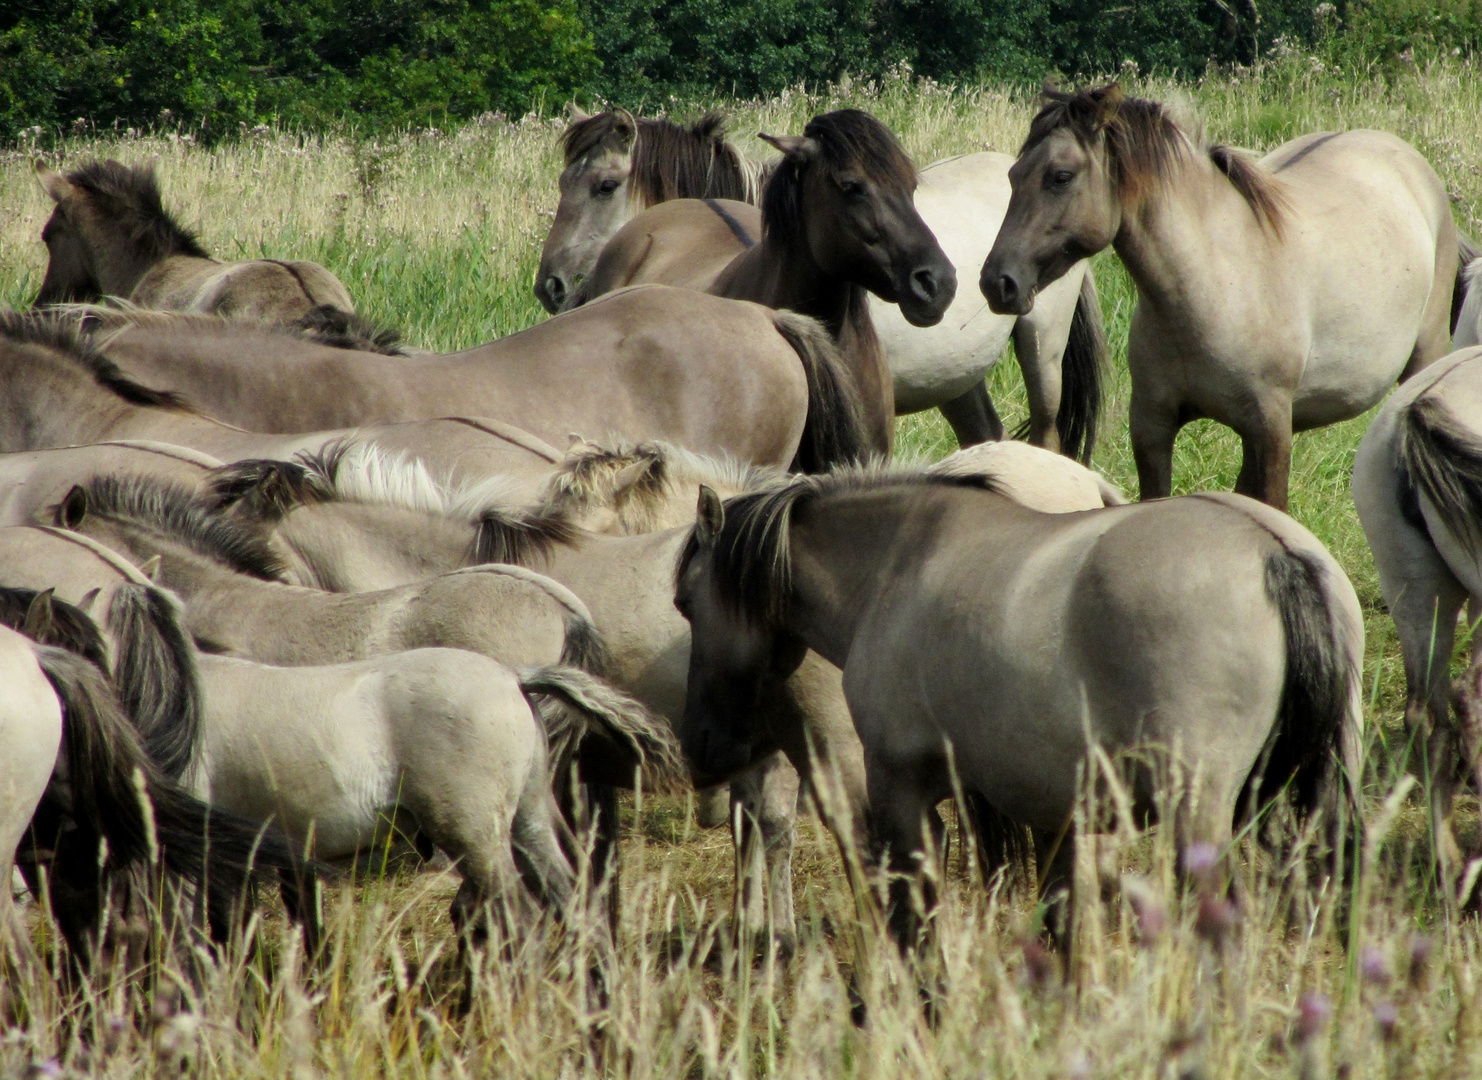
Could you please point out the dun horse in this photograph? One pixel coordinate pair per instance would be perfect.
(977, 635)
(838, 223)
(111, 236)
(616, 167)
(1274, 296)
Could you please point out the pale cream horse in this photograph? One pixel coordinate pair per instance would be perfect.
(1469, 320)
(111, 236)
(1274, 296)
(1417, 480)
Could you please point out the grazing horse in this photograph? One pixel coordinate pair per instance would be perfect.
(1274, 296)
(837, 224)
(716, 375)
(1417, 481)
(76, 777)
(975, 634)
(616, 167)
(111, 236)
(60, 389)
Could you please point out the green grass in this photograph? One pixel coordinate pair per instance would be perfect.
(440, 235)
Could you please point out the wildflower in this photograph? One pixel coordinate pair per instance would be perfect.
(1373, 966)
(1200, 862)
(1420, 957)
(1387, 1016)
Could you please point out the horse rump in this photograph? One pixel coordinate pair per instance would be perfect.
(1442, 460)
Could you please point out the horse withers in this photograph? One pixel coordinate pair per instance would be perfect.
(1274, 296)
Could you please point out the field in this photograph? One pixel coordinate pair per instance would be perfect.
(438, 233)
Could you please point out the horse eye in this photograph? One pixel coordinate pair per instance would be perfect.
(1061, 177)
(851, 188)
(607, 187)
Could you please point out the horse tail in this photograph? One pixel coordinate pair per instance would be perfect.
(578, 705)
(155, 672)
(584, 648)
(1466, 297)
(1002, 843)
(1441, 460)
(1081, 369)
(118, 793)
(1319, 720)
(834, 432)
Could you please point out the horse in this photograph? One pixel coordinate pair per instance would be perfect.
(110, 235)
(989, 644)
(838, 223)
(445, 744)
(61, 390)
(1415, 482)
(719, 376)
(146, 650)
(79, 782)
(615, 167)
(235, 602)
(33, 480)
(1274, 296)
(1468, 328)
(626, 582)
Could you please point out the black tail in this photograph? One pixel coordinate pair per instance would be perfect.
(1466, 253)
(1306, 743)
(115, 792)
(834, 433)
(1003, 844)
(155, 672)
(585, 648)
(1081, 370)
(1442, 460)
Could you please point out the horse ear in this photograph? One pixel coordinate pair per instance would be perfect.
(794, 147)
(627, 126)
(1107, 99)
(89, 598)
(73, 508)
(710, 517)
(37, 624)
(630, 476)
(575, 114)
(54, 183)
(150, 568)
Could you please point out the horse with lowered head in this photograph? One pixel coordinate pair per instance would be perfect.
(111, 236)
(616, 167)
(1274, 296)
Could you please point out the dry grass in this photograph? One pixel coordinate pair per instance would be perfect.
(439, 234)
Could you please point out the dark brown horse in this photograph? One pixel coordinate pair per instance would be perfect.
(838, 222)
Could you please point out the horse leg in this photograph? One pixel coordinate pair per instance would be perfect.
(303, 899)
(764, 801)
(1154, 424)
(1266, 438)
(1042, 381)
(972, 416)
(897, 825)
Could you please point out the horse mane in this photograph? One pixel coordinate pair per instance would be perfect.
(324, 325)
(751, 562)
(130, 195)
(1145, 146)
(68, 628)
(343, 329)
(182, 516)
(62, 332)
(670, 161)
(590, 471)
(847, 139)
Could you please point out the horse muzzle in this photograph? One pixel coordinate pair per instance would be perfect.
(714, 753)
(928, 293)
(1007, 292)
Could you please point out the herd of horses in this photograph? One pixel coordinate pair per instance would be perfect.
(284, 593)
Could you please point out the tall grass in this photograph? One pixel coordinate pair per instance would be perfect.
(439, 234)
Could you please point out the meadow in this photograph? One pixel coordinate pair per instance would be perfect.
(438, 234)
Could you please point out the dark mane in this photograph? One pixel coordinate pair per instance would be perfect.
(848, 139)
(1145, 147)
(670, 161)
(130, 196)
(176, 512)
(519, 537)
(263, 489)
(67, 335)
(329, 325)
(752, 565)
(66, 627)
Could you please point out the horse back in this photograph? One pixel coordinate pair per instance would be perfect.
(683, 242)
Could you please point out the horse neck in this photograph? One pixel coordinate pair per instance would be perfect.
(1184, 241)
(56, 405)
(356, 547)
(843, 555)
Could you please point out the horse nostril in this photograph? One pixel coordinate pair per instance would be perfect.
(924, 282)
(1008, 289)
